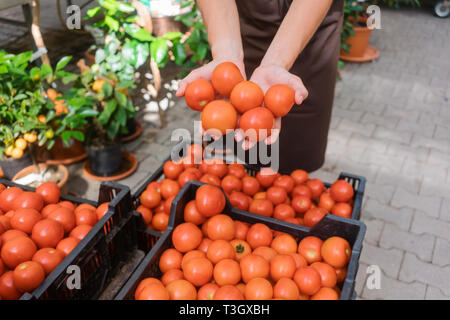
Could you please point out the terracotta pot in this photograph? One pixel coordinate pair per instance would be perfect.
(32, 169)
(9, 166)
(359, 42)
(162, 25)
(62, 154)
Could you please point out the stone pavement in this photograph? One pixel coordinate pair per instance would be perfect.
(391, 124)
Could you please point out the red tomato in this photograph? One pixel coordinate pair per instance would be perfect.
(257, 123)
(147, 214)
(170, 259)
(67, 204)
(336, 251)
(241, 248)
(153, 291)
(312, 216)
(282, 266)
(7, 198)
(185, 177)
(241, 229)
(286, 182)
(266, 177)
(204, 245)
(265, 252)
(254, 266)
(263, 207)
(250, 185)
(66, 245)
(17, 250)
(316, 186)
(259, 235)
(219, 250)
(160, 221)
(207, 291)
(302, 190)
(64, 216)
(276, 195)
(210, 179)
(11, 234)
(47, 233)
(181, 290)
(145, 283)
(210, 200)
(28, 276)
(220, 116)
(25, 219)
(8, 290)
(279, 99)
(49, 191)
(258, 289)
(228, 292)
(326, 202)
(198, 94)
(327, 274)
(286, 289)
(221, 227)
(341, 191)
(239, 200)
(79, 232)
(172, 275)
(310, 248)
(28, 199)
(217, 167)
(301, 204)
(191, 213)
(284, 244)
(325, 294)
(188, 256)
(308, 280)
(169, 188)
(342, 209)
(246, 95)
(237, 170)
(300, 176)
(150, 198)
(172, 169)
(102, 210)
(227, 272)
(283, 212)
(231, 184)
(48, 258)
(85, 216)
(225, 77)
(186, 236)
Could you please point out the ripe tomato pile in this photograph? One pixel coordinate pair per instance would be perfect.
(294, 198)
(216, 257)
(37, 231)
(243, 97)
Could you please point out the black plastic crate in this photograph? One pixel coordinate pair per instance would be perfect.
(351, 230)
(98, 255)
(358, 182)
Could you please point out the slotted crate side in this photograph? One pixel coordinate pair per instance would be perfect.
(92, 255)
(352, 231)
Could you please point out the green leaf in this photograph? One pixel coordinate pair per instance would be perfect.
(63, 62)
(112, 23)
(121, 116)
(127, 8)
(113, 129)
(142, 35)
(175, 35)
(179, 53)
(121, 98)
(142, 53)
(92, 12)
(159, 51)
(104, 117)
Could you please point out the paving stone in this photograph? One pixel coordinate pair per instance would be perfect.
(364, 129)
(381, 120)
(347, 114)
(400, 217)
(442, 143)
(445, 210)
(404, 150)
(434, 293)
(361, 141)
(423, 223)
(388, 260)
(360, 280)
(413, 269)
(441, 254)
(428, 204)
(381, 193)
(373, 231)
(384, 133)
(394, 237)
(392, 289)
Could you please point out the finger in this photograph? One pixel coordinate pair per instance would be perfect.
(300, 91)
(192, 76)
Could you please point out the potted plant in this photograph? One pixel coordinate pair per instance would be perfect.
(100, 106)
(26, 114)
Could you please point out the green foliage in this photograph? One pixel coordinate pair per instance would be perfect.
(22, 100)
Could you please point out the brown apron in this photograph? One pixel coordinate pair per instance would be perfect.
(304, 130)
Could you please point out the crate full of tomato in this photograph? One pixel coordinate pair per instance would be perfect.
(222, 252)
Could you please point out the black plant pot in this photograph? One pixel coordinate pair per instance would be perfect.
(11, 166)
(104, 161)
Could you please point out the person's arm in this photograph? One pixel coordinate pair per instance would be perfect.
(298, 26)
(224, 36)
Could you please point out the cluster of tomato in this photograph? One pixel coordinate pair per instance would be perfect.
(293, 198)
(37, 231)
(245, 98)
(216, 257)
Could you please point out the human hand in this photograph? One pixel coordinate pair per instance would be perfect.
(266, 76)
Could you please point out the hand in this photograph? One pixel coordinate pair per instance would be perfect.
(267, 76)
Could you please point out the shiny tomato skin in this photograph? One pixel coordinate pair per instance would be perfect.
(198, 94)
(47, 233)
(279, 99)
(49, 191)
(246, 95)
(210, 200)
(219, 116)
(225, 77)
(257, 123)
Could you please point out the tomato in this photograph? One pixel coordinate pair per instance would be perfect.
(300, 176)
(300, 262)
(144, 283)
(168, 205)
(47, 233)
(239, 200)
(260, 195)
(48, 258)
(218, 116)
(11, 234)
(284, 244)
(17, 250)
(186, 236)
(241, 229)
(308, 280)
(102, 210)
(279, 99)
(170, 259)
(267, 253)
(257, 123)
(154, 291)
(301, 190)
(147, 214)
(341, 274)
(154, 185)
(301, 204)
(210, 179)
(286, 289)
(285, 182)
(8, 290)
(225, 77)
(198, 94)
(221, 227)
(181, 290)
(228, 292)
(259, 235)
(5, 222)
(254, 266)
(195, 151)
(49, 191)
(237, 170)
(326, 202)
(246, 95)
(325, 294)
(172, 275)
(25, 219)
(85, 206)
(28, 276)
(219, 250)
(160, 221)
(185, 177)
(341, 191)
(85, 216)
(258, 289)
(2, 267)
(310, 248)
(313, 216)
(316, 186)
(282, 266)
(250, 185)
(2, 187)
(263, 207)
(67, 204)
(79, 232)
(283, 211)
(276, 195)
(204, 245)
(336, 251)
(172, 170)
(28, 199)
(266, 177)
(210, 200)
(227, 272)
(231, 184)
(7, 198)
(327, 274)
(217, 167)
(66, 245)
(191, 213)
(198, 271)
(207, 291)
(150, 198)
(64, 216)
(342, 209)
(191, 255)
(241, 248)
(169, 188)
